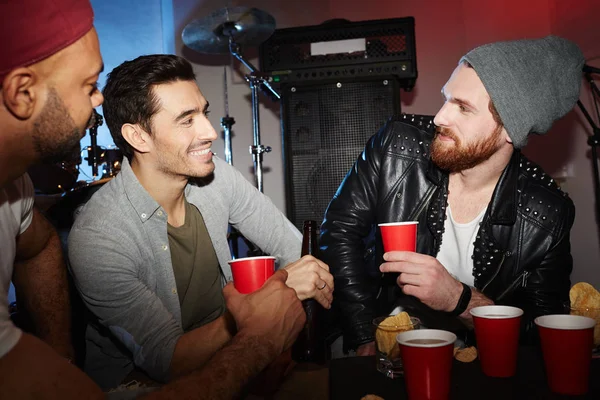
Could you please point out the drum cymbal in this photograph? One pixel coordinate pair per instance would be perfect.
(210, 35)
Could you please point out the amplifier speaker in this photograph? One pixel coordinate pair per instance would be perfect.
(325, 128)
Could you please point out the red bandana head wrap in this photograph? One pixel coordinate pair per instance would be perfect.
(32, 30)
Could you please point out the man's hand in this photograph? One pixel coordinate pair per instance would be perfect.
(268, 322)
(273, 312)
(367, 349)
(425, 278)
(310, 278)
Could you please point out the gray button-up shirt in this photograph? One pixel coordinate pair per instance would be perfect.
(121, 263)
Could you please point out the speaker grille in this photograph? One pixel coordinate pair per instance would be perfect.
(325, 128)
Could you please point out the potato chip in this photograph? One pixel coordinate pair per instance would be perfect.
(467, 354)
(400, 319)
(593, 313)
(584, 295)
(585, 301)
(386, 332)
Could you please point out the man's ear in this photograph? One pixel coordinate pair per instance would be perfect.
(506, 136)
(137, 137)
(19, 92)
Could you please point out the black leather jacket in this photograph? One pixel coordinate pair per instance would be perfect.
(522, 250)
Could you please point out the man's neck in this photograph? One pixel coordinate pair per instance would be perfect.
(167, 190)
(471, 190)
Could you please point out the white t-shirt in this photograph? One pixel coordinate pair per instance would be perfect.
(16, 212)
(457, 247)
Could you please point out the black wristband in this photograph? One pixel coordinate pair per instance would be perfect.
(463, 301)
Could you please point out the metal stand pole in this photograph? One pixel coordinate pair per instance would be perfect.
(593, 141)
(257, 149)
(227, 122)
(255, 81)
(93, 156)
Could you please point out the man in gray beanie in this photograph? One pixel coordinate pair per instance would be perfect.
(493, 227)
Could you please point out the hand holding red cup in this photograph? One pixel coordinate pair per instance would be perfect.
(250, 273)
(399, 236)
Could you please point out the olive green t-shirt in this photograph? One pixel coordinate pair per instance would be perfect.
(196, 270)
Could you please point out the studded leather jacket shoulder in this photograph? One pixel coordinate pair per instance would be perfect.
(522, 250)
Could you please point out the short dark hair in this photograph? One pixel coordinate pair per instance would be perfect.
(128, 94)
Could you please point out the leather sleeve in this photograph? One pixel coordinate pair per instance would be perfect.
(348, 221)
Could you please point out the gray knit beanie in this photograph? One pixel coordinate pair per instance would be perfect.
(532, 83)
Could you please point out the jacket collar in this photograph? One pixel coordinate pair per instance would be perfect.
(503, 206)
(436, 175)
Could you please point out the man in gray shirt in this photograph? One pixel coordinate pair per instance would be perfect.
(149, 251)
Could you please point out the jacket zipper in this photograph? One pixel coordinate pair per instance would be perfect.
(424, 204)
(520, 281)
(497, 271)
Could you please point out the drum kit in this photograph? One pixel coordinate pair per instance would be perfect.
(58, 193)
(61, 178)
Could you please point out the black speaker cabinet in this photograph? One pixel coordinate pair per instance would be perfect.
(325, 128)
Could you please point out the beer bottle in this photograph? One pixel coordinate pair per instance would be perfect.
(310, 344)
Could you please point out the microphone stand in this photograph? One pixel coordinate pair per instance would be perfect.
(227, 122)
(93, 156)
(256, 80)
(593, 141)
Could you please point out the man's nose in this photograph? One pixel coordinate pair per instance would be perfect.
(440, 118)
(97, 99)
(207, 132)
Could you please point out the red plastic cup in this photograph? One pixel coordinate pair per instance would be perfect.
(497, 333)
(567, 342)
(250, 273)
(427, 359)
(399, 236)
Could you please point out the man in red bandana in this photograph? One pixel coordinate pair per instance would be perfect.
(49, 64)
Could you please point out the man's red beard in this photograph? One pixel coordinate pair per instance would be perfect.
(455, 157)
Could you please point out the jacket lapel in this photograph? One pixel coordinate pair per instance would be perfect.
(489, 254)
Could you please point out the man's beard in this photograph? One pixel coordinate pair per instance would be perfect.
(55, 135)
(177, 164)
(458, 157)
